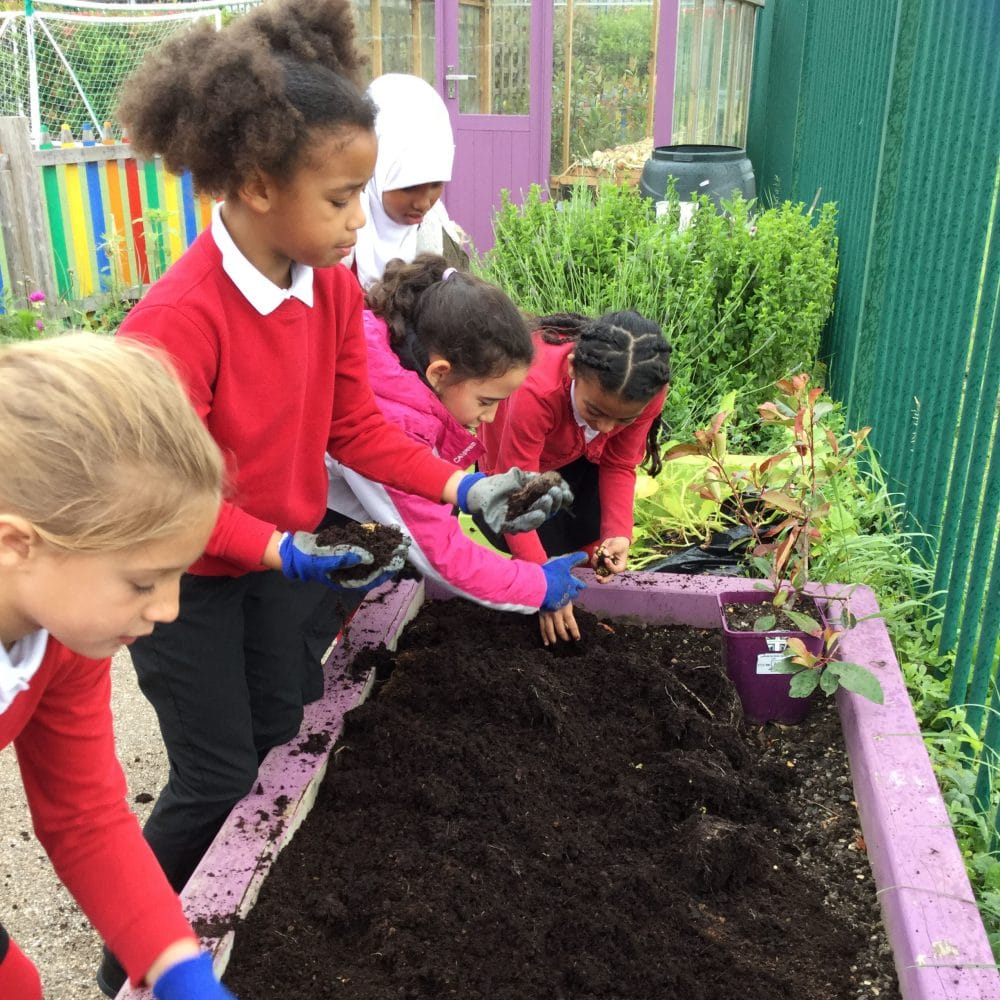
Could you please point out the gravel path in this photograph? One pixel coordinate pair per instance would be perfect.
(34, 906)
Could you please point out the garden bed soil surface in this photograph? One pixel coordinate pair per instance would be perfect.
(595, 823)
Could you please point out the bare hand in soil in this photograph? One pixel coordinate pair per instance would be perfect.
(519, 501)
(610, 558)
(558, 625)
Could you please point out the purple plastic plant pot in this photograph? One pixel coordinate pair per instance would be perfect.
(750, 659)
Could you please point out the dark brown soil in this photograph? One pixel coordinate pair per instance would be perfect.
(520, 501)
(508, 823)
(744, 617)
(381, 540)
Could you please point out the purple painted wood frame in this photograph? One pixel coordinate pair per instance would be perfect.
(493, 152)
(666, 72)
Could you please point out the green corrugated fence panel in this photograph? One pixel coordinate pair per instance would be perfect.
(892, 109)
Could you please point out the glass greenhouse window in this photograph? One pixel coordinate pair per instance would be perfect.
(603, 68)
(495, 38)
(712, 80)
(398, 37)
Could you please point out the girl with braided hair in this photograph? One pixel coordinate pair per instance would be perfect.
(590, 410)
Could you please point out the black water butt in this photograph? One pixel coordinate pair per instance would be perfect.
(716, 171)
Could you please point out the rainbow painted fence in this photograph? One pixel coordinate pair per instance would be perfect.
(115, 221)
(110, 223)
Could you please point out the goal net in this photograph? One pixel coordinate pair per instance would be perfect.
(65, 63)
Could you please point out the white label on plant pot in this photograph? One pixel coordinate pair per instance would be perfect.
(767, 662)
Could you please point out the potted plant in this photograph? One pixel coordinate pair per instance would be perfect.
(780, 643)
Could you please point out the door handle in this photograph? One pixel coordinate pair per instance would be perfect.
(451, 76)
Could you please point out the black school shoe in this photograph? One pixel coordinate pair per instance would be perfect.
(110, 975)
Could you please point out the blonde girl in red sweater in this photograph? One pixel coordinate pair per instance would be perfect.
(110, 488)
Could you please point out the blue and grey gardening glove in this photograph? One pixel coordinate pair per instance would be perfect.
(489, 497)
(561, 586)
(191, 979)
(303, 559)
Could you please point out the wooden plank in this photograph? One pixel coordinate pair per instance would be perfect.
(82, 154)
(25, 213)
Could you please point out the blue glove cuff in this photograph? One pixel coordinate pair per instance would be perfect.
(189, 979)
(466, 484)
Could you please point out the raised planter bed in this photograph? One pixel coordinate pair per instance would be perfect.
(939, 944)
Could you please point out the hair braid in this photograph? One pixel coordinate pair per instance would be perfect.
(629, 356)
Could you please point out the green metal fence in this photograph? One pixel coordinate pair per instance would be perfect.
(892, 109)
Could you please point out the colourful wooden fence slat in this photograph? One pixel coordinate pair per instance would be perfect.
(57, 231)
(154, 202)
(172, 203)
(188, 202)
(117, 230)
(206, 211)
(103, 270)
(79, 230)
(135, 216)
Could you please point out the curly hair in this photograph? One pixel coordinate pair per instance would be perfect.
(470, 323)
(625, 352)
(225, 105)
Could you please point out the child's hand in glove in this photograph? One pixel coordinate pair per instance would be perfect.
(490, 497)
(561, 586)
(191, 979)
(303, 559)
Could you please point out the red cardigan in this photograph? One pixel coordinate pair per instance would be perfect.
(276, 392)
(535, 429)
(61, 729)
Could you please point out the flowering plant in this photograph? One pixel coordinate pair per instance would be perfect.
(25, 323)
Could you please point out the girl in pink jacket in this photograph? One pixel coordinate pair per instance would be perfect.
(444, 349)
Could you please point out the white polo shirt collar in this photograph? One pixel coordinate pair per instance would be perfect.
(19, 664)
(262, 293)
(588, 432)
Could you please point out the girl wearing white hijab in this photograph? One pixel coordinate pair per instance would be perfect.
(402, 204)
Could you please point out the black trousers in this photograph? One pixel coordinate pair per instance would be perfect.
(228, 680)
(569, 530)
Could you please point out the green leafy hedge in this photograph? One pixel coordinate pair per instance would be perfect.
(742, 295)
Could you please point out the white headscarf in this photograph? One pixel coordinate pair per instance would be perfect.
(415, 146)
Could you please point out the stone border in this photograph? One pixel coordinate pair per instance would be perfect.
(939, 944)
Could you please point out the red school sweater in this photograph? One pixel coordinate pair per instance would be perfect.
(276, 392)
(536, 430)
(62, 732)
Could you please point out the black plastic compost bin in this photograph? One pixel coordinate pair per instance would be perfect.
(716, 171)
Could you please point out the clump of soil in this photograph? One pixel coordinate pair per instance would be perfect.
(503, 823)
(521, 501)
(381, 540)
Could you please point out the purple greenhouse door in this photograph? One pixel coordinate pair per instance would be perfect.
(494, 70)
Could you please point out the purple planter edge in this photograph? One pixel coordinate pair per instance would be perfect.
(939, 944)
